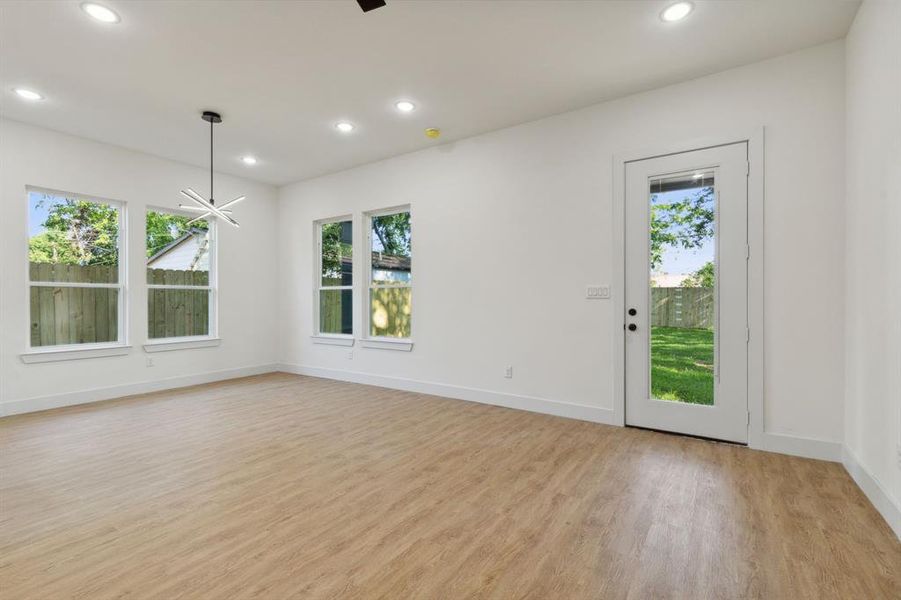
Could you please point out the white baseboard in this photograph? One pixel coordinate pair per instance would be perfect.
(108, 393)
(529, 403)
(873, 490)
(800, 446)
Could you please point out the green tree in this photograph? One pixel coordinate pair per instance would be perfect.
(703, 277)
(51, 247)
(77, 232)
(393, 233)
(685, 223)
(164, 228)
(336, 243)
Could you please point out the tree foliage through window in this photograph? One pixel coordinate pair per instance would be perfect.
(76, 232)
(686, 223)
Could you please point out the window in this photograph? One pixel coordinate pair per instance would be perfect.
(334, 286)
(390, 274)
(181, 276)
(75, 270)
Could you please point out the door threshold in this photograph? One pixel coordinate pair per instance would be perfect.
(688, 435)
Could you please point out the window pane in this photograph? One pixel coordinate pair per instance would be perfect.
(177, 313)
(390, 312)
(391, 256)
(68, 315)
(72, 240)
(177, 252)
(683, 259)
(336, 311)
(337, 254)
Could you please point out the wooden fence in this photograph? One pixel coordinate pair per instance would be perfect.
(389, 309)
(73, 315)
(682, 307)
(177, 313)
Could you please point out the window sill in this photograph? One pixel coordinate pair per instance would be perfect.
(58, 353)
(333, 340)
(401, 345)
(169, 344)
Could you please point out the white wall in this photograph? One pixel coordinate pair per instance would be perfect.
(873, 246)
(492, 211)
(31, 156)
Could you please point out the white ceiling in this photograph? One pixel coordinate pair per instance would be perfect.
(282, 73)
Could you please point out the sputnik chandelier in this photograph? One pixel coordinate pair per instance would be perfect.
(208, 207)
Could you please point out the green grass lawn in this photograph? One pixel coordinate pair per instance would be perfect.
(682, 364)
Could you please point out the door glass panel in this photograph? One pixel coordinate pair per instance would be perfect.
(683, 287)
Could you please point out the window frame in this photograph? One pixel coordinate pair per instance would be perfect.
(55, 352)
(368, 340)
(187, 341)
(320, 337)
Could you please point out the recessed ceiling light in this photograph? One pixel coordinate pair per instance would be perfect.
(249, 160)
(405, 106)
(677, 11)
(100, 12)
(344, 127)
(28, 94)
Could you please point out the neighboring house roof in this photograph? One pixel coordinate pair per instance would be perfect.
(385, 262)
(190, 252)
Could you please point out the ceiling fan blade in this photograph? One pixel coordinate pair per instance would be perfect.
(368, 5)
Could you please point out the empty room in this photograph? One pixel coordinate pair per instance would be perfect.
(443, 299)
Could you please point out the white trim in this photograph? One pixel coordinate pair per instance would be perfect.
(212, 287)
(756, 158)
(367, 341)
(74, 284)
(185, 343)
(121, 285)
(800, 446)
(333, 340)
(618, 290)
(28, 405)
(873, 490)
(756, 283)
(73, 352)
(515, 401)
(317, 273)
(404, 345)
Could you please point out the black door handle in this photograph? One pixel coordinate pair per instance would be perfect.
(632, 326)
(633, 312)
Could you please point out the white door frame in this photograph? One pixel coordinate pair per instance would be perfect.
(755, 140)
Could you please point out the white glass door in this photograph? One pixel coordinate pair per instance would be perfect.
(686, 293)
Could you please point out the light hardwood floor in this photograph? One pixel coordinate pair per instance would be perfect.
(281, 486)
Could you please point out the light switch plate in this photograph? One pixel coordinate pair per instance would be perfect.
(597, 292)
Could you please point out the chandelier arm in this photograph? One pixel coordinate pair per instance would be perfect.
(214, 210)
(230, 202)
(193, 208)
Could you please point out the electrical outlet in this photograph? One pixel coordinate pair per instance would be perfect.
(149, 362)
(349, 355)
(508, 372)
